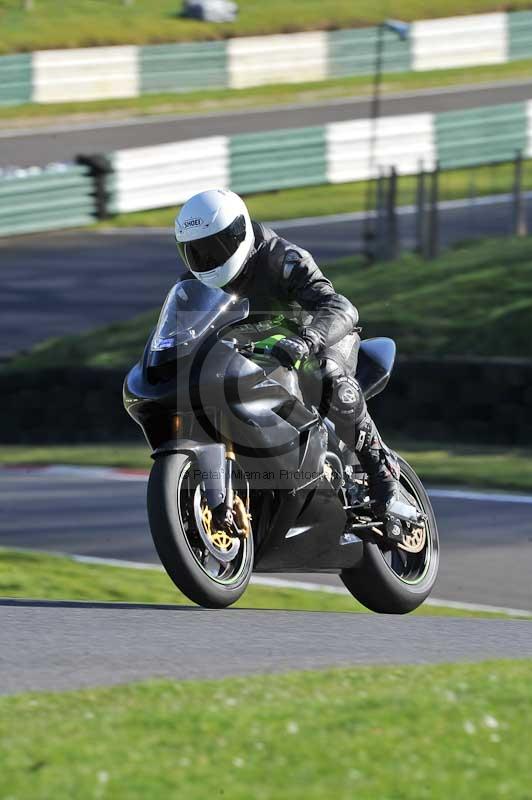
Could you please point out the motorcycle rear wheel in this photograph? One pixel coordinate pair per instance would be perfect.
(171, 497)
(391, 581)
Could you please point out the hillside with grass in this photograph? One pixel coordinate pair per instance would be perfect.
(86, 23)
(475, 300)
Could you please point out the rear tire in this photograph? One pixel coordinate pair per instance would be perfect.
(377, 585)
(166, 495)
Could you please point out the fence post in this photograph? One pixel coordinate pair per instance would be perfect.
(100, 167)
(380, 220)
(392, 243)
(434, 220)
(420, 210)
(372, 226)
(519, 205)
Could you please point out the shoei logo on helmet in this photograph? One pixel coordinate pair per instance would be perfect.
(193, 223)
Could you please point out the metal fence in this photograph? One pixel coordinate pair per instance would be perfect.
(441, 207)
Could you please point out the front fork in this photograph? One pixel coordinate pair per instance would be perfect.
(233, 513)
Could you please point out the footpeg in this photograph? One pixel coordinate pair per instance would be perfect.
(348, 538)
(359, 508)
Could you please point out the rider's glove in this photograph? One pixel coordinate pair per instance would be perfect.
(292, 351)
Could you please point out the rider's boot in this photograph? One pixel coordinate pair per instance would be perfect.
(383, 471)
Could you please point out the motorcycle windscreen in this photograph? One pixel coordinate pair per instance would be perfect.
(190, 312)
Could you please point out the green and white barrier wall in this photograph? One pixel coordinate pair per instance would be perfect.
(34, 199)
(50, 76)
(165, 175)
(154, 177)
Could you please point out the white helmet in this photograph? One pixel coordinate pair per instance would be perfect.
(214, 236)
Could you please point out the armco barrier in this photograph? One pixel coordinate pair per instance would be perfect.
(15, 79)
(519, 35)
(459, 42)
(96, 73)
(183, 67)
(528, 146)
(92, 73)
(46, 200)
(154, 177)
(288, 58)
(164, 175)
(279, 159)
(352, 52)
(454, 401)
(481, 135)
(400, 141)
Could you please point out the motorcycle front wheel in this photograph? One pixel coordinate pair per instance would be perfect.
(389, 580)
(174, 513)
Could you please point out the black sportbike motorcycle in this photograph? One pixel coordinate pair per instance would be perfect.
(248, 477)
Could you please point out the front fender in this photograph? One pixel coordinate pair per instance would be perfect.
(210, 462)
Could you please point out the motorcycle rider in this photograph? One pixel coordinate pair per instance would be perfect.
(224, 248)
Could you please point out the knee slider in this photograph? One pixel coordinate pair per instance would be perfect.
(347, 398)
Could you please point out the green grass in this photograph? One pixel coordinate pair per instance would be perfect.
(132, 456)
(259, 96)
(347, 197)
(475, 465)
(472, 301)
(401, 733)
(115, 345)
(28, 574)
(85, 23)
(475, 300)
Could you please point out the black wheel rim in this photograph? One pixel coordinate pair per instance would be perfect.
(229, 574)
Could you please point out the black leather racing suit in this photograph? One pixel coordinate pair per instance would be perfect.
(281, 278)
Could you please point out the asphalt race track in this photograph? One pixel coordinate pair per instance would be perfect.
(63, 283)
(72, 645)
(64, 142)
(486, 546)
(486, 557)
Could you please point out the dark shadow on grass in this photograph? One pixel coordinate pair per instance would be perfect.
(92, 604)
(22, 603)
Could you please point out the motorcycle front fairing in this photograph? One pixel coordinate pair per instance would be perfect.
(154, 389)
(187, 367)
(190, 314)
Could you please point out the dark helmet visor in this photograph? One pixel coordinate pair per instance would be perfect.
(202, 255)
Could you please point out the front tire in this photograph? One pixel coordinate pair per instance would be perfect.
(171, 490)
(390, 581)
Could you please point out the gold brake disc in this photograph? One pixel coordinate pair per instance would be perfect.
(219, 538)
(414, 541)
